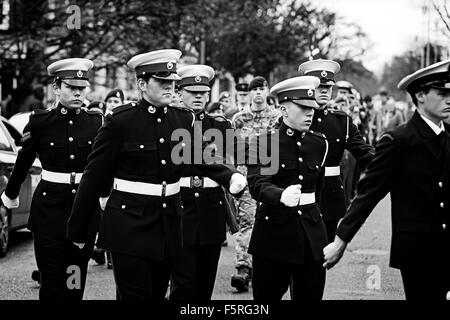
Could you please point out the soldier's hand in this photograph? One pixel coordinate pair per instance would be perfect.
(291, 196)
(334, 252)
(9, 203)
(103, 202)
(237, 183)
(79, 245)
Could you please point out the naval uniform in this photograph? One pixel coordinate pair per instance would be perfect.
(412, 163)
(287, 243)
(141, 221)
(342, 135)
(62, 138)
(204, 225)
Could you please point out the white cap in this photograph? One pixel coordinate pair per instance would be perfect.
(73, 71)
(436, 75)
(161, 64)
(325, 70)
(300, 90)
(196, 77)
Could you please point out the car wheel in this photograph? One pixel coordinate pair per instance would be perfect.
(4, 231)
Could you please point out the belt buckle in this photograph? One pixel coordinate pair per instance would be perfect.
(72, 177)
(196, 182)
(164, 189)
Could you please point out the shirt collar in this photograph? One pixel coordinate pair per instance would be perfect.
(436, 129)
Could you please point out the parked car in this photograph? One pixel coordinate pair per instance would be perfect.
(11, 220)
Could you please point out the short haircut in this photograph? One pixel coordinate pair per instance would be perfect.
(413, 94)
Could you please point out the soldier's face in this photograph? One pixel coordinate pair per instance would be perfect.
(112, 103)
(296, 116)
(258, 96)
(195, 100)
(70, 96)
(323, 94)
(242, 97)
(436, 104)
(157, 91)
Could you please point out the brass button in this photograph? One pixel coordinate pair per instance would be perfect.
(158, 120)
(444, 226)
(338, 140)
(164, 205)
(44, 194)
(220, 202)
(163, 162)
(72, 157)
(164, 183)
(71, 122)
(196, 195)
(299, 144)
(300, 212)
(300, 177)
(89, 142)
(267, 218)
(442, 205)
(124, 207)
(300, 160)
(70, 139)
(141, 146)
(161, 140)
(440, 184)
(52, 144)
(74, 191)
(283, 165)
(319, 120)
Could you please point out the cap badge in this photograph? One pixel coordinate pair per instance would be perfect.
(152, 109)
(202, 116)
(290, 132)
(79, 73)
(198, 79)
(118, 95)
(169, 65)
(324, 74)
(310, 92)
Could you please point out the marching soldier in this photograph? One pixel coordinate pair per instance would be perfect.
(204, 202)
(412, 162)
(289, 234)
(341, 134)
(135, 153)
(250, 123)
(62, 139)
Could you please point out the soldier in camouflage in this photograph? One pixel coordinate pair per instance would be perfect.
(250, 123)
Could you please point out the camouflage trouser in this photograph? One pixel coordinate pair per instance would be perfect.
(246, 208)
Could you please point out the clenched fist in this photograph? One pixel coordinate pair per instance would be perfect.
(291, 196)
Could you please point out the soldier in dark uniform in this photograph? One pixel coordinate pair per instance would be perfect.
(412, 162)
(62, 138)
(341, 134)
(204, 202)
(135, 152)
(289, 234)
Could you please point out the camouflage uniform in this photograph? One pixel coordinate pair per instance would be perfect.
(249, 124)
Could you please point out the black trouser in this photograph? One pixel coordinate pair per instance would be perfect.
(331, 227)
(426, 283)
(62, 267)
(194, 272)
(271, 279)
(140, 279)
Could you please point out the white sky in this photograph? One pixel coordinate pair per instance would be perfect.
(391, 25)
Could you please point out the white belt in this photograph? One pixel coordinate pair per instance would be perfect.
(307, 198)
(196, 182)
(332, 171)
(147, 189)
(58, 177)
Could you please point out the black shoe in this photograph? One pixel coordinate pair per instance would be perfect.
(36, 276)
(241, 280)
(98, 256)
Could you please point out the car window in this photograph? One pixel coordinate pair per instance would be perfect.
(14, 133)
(5, 145)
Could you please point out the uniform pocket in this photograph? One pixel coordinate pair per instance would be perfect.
(128, 203)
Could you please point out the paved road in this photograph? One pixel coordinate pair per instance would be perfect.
(356, 277)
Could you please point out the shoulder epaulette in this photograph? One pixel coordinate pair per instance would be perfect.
(339, 113)
(122, 108)
(317, 134)
(37, 112)
(97, 112)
